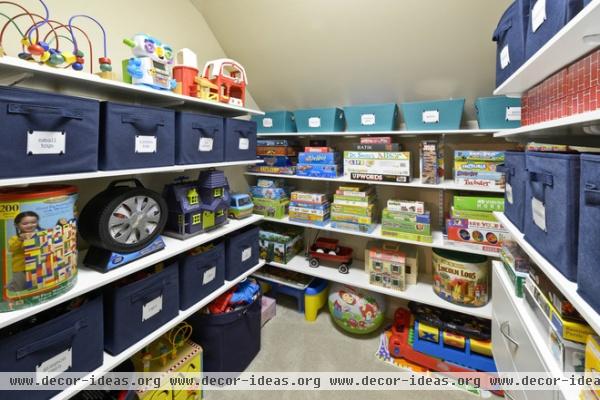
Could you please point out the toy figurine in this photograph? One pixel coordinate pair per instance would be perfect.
(150, 64)
(230, 78)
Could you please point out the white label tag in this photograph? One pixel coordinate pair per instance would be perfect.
(539, 213)
(367, 119)
(206, 144)
(209, 275)
(509, 193)
(504, 57)
(267, 122)
(538, 14)
(152, 308)
(145, 144)
(314, 122)
(46, 142)
(513, 113)
(244, 144)
(431, 117)
(246, 254)
(54, 366)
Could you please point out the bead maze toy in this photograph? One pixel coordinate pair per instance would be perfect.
(151, 63)
(230, 78)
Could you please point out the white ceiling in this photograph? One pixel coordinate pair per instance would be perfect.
(313, 53)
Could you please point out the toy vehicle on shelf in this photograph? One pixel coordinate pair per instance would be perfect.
(328, 249)
(230, 78)
(241, 206)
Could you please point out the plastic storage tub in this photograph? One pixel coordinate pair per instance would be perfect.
(241, 252)
(137, 309)
(199, 139)
(240, 140)
(320, 120)
(69, 342)
(371, 117)
(44, 133)
(510, 40)
(516, 181)
(230, 340)
(552, 208)
(201, 274)
(136, 137)
(433, 115)
(498, 112)
(588, 284)
(275, 121)
(546, 18)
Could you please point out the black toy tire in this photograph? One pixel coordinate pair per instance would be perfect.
(313, 263)
(344, 268)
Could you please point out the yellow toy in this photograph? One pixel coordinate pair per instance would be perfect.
(315, 297)
(429, 333)
(592, 359)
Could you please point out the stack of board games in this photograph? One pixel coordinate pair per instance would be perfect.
(478, 168)
(407, 220)
(473, 224)
(378, 159)
(391, 265)
(319, 162)
(270, 197)
(431, 157)
(310, 208)
(353, 209)
(279, 156)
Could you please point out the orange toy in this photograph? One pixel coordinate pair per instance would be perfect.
(230, 78)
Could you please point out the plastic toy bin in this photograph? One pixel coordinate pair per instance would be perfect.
(240, 140)
(433, 115)
(241, 252)
(69, 342)
(371, 117)
(510, 40)
(230, 340)
(199, 139)
(201, 274)
(498, 112)
(552, 208)
(136, 137)
(516, 181)
(588, 284)
(44, 133)
(275, 121)
(320, 120)
(135, 310)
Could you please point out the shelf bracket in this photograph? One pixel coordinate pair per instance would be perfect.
(15, 79)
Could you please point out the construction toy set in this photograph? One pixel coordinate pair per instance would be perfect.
(280, 243)
(479, 168)
(391, 265)
(407, 220)
(309, 208)
(431, 162)
(353, 209)
(270, 198)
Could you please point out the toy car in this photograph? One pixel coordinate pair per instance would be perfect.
(241, 206)
(327, 249)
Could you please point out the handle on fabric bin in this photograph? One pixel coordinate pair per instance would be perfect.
(505, 169)
(592, 194)
(538, 181)
(149, 293)
(202, 129)
(62, 336)
(118, 181)
(242, 133)
(143, 122)
(16, 108)
(503, 27)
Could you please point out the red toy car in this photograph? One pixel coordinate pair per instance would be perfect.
(327, 249)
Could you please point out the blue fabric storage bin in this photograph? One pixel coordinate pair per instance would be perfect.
(510, 37)
(241, 252)
(275, 121)
(231, 340)
(320, 120)
(136, 137)
(371, 117)
(588, 284)
(516, 181)
(558, 13)
(79, 330)
(137, 309)
(552, 208)
(240, 140)
(200, 275)
(199, 139)
(433, 115)
(498, 112)
(30, 120)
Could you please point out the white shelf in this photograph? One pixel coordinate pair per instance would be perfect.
(422, 292)
(20, 69)
(416, 183)
(568, 288)
(88, 279)
(578, 129)
(121, 172)
(438, 238)
(475, 132)
(110, 362)
(565, 47)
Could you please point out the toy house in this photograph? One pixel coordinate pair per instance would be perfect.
(386, 266)
(230, 78)
(197, 206)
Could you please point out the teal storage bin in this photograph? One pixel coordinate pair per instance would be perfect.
(498, 112)
(275, 122)
(371, 117)
(320, 120)
(435, 115)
